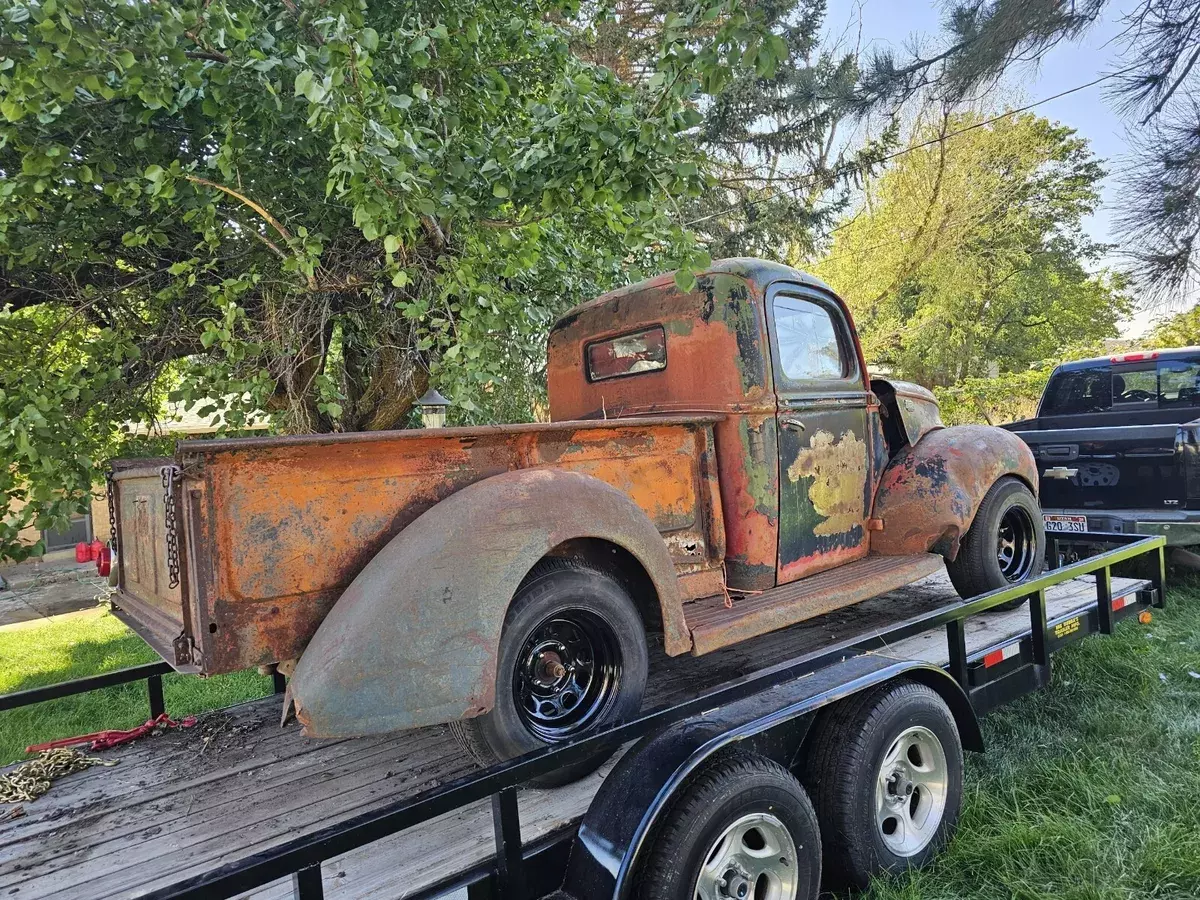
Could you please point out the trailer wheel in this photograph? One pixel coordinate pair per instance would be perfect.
(885, 771)
(1005, 545)
(572, 660)
(744, 829)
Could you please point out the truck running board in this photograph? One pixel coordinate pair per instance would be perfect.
(714, 625)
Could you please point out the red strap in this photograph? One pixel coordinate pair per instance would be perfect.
(102, 740)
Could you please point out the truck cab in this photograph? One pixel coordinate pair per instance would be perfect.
(805, 436)
(1117, 444)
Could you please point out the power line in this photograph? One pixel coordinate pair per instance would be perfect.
(852, 167)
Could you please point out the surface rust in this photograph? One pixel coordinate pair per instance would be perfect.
(717, 362)
(414, 639)
(929, 494)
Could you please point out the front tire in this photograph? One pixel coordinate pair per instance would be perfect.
(572, 660)
(744, 829)
(1005, 545)
(884, 769)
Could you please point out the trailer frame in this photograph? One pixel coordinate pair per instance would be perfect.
(1015, 666)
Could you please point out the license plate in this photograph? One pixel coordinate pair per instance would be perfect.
(1065, 523)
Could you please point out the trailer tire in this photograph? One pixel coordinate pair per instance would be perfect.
(572, 660)
(736, 810)
(865, 778)
(1005, 545)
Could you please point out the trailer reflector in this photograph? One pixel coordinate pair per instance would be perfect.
(1124, 601)
(998, 656)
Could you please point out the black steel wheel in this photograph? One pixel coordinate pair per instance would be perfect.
(572, 660)
(1016, 544)
(743, 829)
(568, 674)
(1006, 543)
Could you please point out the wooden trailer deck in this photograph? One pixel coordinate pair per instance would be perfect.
(237, 783)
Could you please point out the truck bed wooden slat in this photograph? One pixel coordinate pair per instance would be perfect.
(167, 811)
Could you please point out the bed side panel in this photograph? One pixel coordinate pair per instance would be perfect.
(293, 522)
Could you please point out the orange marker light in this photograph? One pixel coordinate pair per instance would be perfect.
(1144, 617)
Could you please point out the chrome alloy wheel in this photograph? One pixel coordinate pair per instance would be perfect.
(753, 859)
(910, 791)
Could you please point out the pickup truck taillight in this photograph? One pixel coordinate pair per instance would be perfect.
(104, 561)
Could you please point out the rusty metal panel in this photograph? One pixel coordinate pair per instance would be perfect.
(717, 361)
(714, 625)
(287, 523)
(929, 494)
(413, 640)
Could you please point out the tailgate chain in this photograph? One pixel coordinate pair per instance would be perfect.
(112, 513)
(168, 483)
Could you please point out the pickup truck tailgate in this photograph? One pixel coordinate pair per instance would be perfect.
(1122, 467)
(148, 603)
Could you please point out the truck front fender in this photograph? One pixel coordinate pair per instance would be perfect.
(414, 639)
(929, 494)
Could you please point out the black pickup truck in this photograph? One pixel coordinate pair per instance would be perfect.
(1117, 444)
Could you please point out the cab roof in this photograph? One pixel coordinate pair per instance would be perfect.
(759, 272)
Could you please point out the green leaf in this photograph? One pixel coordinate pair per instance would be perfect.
(369, 38)
(391, 243)
(304, 81)
(499, 190)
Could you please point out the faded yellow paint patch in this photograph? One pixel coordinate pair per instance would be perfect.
(839, 471)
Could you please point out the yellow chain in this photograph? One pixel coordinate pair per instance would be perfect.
(30, 780)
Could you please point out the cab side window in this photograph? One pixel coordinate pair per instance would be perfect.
(809, 346)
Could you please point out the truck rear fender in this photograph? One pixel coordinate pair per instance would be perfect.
(930, 491)
(629, 804)
(414, 639)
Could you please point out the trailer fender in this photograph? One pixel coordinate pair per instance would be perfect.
(930, 492)
(624, 813)
(413, 640)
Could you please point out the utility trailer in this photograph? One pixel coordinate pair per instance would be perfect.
(241, 808)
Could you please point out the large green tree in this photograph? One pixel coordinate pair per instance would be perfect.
(316, 206)
(1154, 83)
(968, 257)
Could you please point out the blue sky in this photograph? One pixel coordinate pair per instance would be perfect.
(898, 24)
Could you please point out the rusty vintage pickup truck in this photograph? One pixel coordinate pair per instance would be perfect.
(719, 465)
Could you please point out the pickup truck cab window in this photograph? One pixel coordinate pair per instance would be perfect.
(809, 346)
(1179, 382)
(628, 354)
(1135, 385)
(1078, 391)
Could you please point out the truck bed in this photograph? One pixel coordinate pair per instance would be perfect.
(237, 783)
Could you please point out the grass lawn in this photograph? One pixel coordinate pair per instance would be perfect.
(1089, 790)
(87, 643)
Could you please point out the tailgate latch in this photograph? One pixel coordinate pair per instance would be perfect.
(182, 646)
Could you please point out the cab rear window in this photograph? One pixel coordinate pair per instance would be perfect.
(627, 354)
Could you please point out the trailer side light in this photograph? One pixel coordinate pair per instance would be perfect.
(998, 656)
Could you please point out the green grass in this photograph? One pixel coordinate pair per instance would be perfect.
(88, 643)
(1089, 790)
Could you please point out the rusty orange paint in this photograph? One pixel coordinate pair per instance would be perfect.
(722, 320)
(282, 525)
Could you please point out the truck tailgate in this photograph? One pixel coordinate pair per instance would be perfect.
(1108, 467)
(148, 602)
